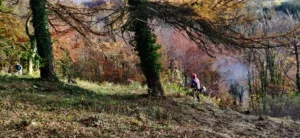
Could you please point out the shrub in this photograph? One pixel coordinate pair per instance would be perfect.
(284, 105)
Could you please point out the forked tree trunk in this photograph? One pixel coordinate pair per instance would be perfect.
(43, 39)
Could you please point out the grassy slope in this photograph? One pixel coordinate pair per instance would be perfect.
(30, 107)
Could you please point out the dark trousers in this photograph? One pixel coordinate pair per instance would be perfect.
(196, 93)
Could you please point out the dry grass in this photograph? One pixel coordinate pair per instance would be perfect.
(34, 108)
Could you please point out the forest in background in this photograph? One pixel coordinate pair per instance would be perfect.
(267, 78)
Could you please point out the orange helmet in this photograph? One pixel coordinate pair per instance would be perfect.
(194, 75)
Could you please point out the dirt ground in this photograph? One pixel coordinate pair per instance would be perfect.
(33, 108)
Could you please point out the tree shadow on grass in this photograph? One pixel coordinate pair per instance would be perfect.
(57, 98)
(52, 96)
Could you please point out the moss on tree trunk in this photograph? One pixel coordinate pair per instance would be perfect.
(43, 38)
(145, 45)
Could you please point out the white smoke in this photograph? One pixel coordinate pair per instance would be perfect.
(235, 73)
(230, 69)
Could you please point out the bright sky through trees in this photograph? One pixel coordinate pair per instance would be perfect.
(79, 1)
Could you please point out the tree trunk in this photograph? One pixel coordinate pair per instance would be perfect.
(263, 80)
(185, 79)
(298, 67)
(145, 43)
(148, 57)
(32, 46)
(43, 39)
(249, 73)
(266, 83)
(272, 68)
(30, 66)
(32, 54)
(271, 71)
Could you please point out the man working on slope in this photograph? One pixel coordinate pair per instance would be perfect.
(195, 84)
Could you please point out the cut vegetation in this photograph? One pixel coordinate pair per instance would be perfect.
(35, 108)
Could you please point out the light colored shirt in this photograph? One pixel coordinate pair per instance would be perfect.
(197, 82)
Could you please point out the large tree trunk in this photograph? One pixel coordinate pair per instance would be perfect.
(43, 39)
(148, 57)
(145, 43)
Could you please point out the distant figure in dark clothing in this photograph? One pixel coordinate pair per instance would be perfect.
(195, 82)
(18, 68)
(195, 85)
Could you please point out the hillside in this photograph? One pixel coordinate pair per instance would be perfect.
(34, 108)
